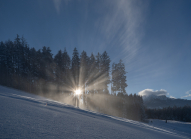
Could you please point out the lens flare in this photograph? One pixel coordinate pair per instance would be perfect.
(78, 92)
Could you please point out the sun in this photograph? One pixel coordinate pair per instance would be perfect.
(78, 92)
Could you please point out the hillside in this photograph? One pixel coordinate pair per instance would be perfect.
(24, 115)
(163, 101)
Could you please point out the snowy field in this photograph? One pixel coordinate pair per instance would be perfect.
(24, 115)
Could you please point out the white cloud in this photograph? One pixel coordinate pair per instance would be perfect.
(172, 97)
(188, 94)
(149, 92)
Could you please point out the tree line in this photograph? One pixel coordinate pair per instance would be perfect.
(38, 72)
(171, 113)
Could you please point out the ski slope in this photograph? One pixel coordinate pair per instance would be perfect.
(24, 115)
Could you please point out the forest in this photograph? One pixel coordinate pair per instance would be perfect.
(57, 77)
(170, 113)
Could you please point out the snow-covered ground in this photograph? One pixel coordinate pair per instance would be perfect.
(183, 128)
(24, 115)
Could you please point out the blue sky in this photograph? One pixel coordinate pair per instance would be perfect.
(153, 38)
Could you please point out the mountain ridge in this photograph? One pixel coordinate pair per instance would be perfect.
(162, 101)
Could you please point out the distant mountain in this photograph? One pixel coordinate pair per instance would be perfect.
(163, 101)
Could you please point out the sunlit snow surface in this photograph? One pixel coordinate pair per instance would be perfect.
(24, 115)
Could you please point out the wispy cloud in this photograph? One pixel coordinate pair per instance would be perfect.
(124, 23)
(116, 25)
(150, 92)
(188, 94)
(57, 4)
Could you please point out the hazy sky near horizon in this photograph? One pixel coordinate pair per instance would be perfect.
(153, 38)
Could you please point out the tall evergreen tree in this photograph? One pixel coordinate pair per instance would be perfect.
(33, 63)
(58, 63)
(24, 58)
(17, 55)
(97, 78)
(91, 74)
(75, 67)
(115, 76)
(105, 69)
(57, 70)
(123, 80)
(46, 62)
(66, 65)
(83, 72)
(9, 61)
(118, 77)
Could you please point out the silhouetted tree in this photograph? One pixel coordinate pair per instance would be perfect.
(91, 74)
(105, 69)
(66, 65)
(118, 77)
(58, 62)
(83, 72)
(75, 67)
(97, 79)
(58, 69)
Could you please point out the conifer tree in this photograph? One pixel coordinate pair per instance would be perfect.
(9, 61)
(83, 72)
(75, 67)
(105, 69)
(66, 64)
(118, 77)
(57, 69)
(97, 78)
(58, 63)
(46, 62)
(17, 54)
(91, 74)
(115, 76)
(123, 80)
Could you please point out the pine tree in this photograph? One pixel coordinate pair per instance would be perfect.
(17, 55)
(9, 61)
(66, 64)
(25, 57)
(58, 62)
(32, 75)
(91, 74)
(33, 63)
(105, 69)
(57, 69)
(97, 79)
(83, 73)
(47, 63)
(83, 68)
(122, 76)
(115, 76)
(75, 68)
(118, 77)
